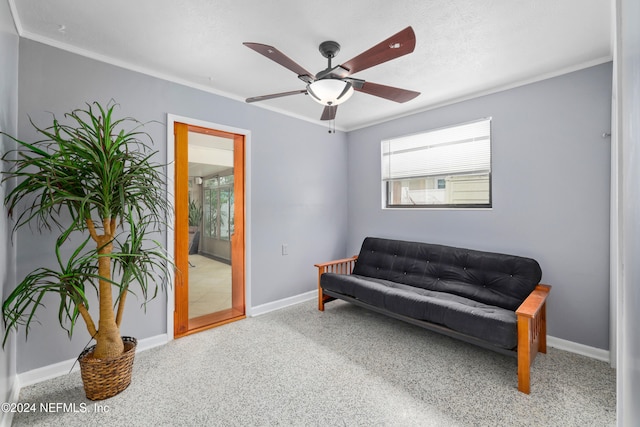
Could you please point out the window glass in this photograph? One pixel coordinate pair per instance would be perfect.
(210, 212)
(225, 204)
(448, 167)
(228, 179)
(218, 207)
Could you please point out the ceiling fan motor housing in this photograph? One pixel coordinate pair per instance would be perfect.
(329, 49)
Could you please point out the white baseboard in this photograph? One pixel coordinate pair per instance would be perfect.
(286, 302)
(152, 342)
(6, 418)
(62, 368)
(574, 347)
(37, 375)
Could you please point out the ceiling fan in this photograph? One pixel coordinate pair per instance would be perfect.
(333, 86)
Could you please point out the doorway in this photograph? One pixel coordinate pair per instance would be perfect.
(209, 247)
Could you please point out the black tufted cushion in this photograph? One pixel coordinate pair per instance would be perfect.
(486, 322)
(486, 277)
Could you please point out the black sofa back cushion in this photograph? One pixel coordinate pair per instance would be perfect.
(492, 278)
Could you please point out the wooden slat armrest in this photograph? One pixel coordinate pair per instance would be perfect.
(534, 301)
(338, 261)
(532, 333)
(339, 266)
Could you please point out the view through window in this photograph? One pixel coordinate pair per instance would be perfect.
(447, 167)
(218, 206)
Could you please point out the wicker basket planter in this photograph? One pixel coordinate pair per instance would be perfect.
(104, 378)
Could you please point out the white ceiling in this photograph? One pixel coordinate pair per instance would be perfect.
(214, 154)
(464, 48)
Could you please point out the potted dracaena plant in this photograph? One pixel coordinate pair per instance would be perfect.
(95, 183)
(195, 215)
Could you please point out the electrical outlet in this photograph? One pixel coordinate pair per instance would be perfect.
(285, 249)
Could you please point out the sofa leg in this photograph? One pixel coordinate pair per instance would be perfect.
(320, 299)
(524, 354)
(524, 381)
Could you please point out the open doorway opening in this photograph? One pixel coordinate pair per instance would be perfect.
(209, 228)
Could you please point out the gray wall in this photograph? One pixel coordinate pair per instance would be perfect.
(550, 187)
(297, 188)
(9, 124)
(628, 79)
(551, 174)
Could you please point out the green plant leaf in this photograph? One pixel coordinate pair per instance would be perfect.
(88, 168)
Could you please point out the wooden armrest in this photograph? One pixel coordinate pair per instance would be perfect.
(532, 333)
(338, 261)
(534, 302)
(339, 266)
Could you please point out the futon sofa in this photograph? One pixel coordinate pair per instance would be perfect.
(488, 299)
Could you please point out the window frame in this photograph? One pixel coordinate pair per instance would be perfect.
(387, 183)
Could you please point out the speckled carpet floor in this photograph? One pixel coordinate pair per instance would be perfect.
(344, 367)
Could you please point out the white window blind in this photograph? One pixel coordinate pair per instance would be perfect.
(456, 150)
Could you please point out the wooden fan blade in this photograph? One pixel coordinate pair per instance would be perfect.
(387, 92)
(329, 112)
(275, 95)
(275, 55)
(395, 46)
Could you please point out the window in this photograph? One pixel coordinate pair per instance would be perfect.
(218, 207)
(448, 167)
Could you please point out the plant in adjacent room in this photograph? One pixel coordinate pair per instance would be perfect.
(195, 213)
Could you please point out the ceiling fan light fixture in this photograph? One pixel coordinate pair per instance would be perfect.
(330, 91)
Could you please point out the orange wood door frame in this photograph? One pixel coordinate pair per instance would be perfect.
(238, 237)
(182, 324)
(181, 256)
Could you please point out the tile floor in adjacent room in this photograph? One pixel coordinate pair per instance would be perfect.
(209, 286)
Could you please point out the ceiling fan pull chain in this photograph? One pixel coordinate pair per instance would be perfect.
(332, 127)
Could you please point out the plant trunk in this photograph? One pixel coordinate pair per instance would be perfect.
(108, 340)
